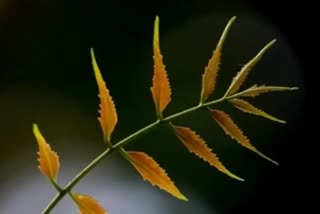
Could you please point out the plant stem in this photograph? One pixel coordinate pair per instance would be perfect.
(54, 202)
(55, 184)
(123, 143)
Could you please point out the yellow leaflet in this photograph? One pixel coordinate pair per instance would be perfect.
(256, 90)
(108, 115)
(241, 76)
(211, 71)
(231, 129)
(150, 170)
(160, 89)
(88, 205)
(48, 159)
(196, 145)
(248, 108)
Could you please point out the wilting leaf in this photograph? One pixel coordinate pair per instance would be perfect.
(160, 89)
(196, 145)
(241, 76)
(211, 71)
(230, 128)
(108, 115)
(248, 108)
(48, 159)
(150, 170)
(87, 204)
(255, 90)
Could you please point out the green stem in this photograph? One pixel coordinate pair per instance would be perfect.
(55, 184)
(54, 202)
(123, 143)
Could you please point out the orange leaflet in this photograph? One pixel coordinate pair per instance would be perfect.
(152, 172)
(196, 145)
(87, 204)
(241, 76)
(211, 71)
(248, 108)
(160, 89)
(231, 129)
(108, 115)
(256, 90)
(48, 159)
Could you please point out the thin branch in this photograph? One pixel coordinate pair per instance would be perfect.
(126, 141)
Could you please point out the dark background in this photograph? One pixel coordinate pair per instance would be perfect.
(46, 77)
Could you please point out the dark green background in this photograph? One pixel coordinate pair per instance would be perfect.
(46, 77)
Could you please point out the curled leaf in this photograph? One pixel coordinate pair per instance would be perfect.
(231, 129)
(196, 145)
(248, 108)
(87, 204)
(150, 170)
(241, 76)
(211, 71)
(48, 159)
(256, 90)
(108, 115)
(160, 89)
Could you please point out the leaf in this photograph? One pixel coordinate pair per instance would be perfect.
(196, 145)
(160, 89)
(241, 76)
(48, 159)
(87, 204)
(248, 108)
(108, 115)
(255, 90)
(211, 71)
(152, 172)
(231, 129)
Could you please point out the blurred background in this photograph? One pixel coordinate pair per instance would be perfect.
(46, 78)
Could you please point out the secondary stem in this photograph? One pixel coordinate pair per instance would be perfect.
(124, 142)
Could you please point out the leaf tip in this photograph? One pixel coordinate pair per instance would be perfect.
(93, 58)
(36, 131)
(267, 158)
(274, 162)
(233, 18)
(183, 198)
(270, 43)
(35, 127)
(156, 32)
(157, 19)
(236, 177)
(282, 121)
